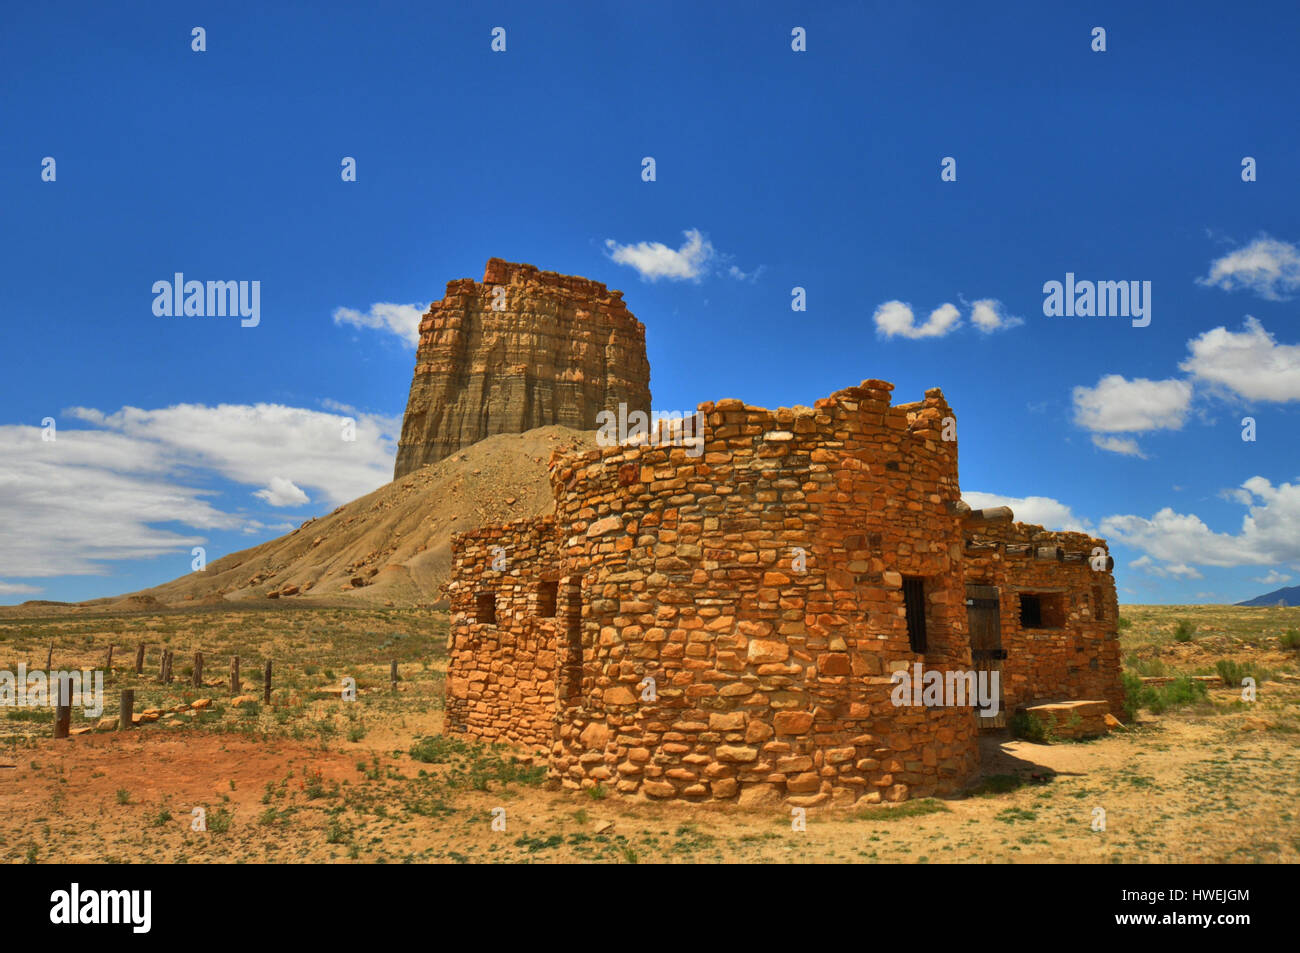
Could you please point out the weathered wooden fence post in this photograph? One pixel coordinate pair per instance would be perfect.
(139, 658)
(49, 658)
(63, 707)
(266, 686)
(392, 674)
(198, 669)
(234, 676)
(124, 720)
(108, 663)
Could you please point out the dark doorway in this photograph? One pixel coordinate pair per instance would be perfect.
(984, 619)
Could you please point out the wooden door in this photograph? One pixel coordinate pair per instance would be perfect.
(984, 620)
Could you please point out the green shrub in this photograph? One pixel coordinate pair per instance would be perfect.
(1184, 630)
(438, 749)
(30, 714)
(1146, 666)
(917, 807)
(1232, 672)
(1290, 639)
(1029, 728)
(1179, 693)
(1133, 688)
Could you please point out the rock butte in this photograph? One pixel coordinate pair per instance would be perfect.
(524, 348)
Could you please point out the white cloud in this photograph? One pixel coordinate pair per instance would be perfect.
(1250, 363)
(1237, 495)
(655, 260)
(1123, 445)
(282, 492)
(750, 276)
(1270, 531)
(1118, 405)
(988, 315)
(80, 499)
(400, 319)
(1268, 267)
(132, 485)
(895, 319)
(1041, 510)
(254, 443)
(1173, 571)
(1273, 578)
(257, 526)
(17, 589)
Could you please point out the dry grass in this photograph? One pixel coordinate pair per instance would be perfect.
(311, 778)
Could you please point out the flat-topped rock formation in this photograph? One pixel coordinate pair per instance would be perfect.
(523, 348)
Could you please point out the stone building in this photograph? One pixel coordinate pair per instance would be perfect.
(722, 622)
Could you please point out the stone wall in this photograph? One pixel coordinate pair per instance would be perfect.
(550, 349)
(771, 676)
(1075, 652)
(724, 618)
(501, 676)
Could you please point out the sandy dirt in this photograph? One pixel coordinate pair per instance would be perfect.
(313, 778)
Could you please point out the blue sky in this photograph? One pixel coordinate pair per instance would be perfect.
(775, 169)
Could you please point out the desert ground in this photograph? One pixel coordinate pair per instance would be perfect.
(1199, 776)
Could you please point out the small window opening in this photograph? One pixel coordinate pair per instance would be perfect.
(487, 608)
(546, 598)
(914, 605)
(1042, 610)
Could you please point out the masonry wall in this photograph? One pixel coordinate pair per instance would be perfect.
(1075, 654)
(771, 675)
(501, 676)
